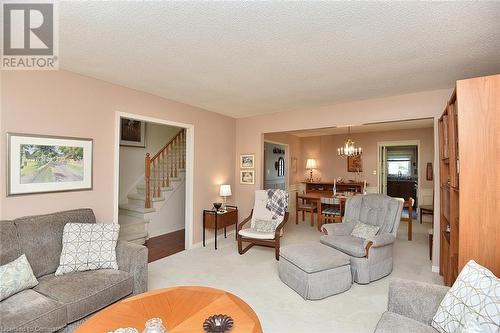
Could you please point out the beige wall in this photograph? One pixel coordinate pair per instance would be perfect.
(68, 104)
(324, 150)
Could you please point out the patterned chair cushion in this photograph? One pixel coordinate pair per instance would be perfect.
(476, 293)
(88, 246)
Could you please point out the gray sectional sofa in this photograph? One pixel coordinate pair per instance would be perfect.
(411, 307)
(60, 303)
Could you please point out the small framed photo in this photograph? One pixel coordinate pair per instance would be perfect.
(247, 161)
(41, 164)
(247, 177)
(132, 133)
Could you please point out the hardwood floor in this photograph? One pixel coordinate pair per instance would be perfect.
(165, 245)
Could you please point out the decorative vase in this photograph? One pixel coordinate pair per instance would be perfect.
(217, 205)
(154, 325)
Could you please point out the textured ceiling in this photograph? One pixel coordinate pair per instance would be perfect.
(374, 127)
(248, 58)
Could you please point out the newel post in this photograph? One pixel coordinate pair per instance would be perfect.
(146, 174)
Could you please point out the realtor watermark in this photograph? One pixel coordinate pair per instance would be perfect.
(30, 35)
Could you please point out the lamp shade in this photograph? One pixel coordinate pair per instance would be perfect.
(311, 163)
(225, 190)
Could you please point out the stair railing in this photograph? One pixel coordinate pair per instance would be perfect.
(163, 166)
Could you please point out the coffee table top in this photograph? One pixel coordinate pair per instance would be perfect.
(182, 309)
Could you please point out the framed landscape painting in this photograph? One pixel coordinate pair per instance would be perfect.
(132, 133)
(41, 164)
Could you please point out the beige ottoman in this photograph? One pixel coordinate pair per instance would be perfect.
(314, 270)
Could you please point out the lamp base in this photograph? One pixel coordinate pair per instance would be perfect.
(311, 177)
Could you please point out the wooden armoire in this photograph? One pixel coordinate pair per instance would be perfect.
(469, 141)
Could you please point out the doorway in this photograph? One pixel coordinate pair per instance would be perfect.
(275, 166)
(398, 169)
(170, 179)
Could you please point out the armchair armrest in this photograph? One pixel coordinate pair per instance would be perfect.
(245, 221)
(380, 240)
(133, 258)
(338, 229)
(415, 300)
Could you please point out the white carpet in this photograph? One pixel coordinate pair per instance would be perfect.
(253, 277)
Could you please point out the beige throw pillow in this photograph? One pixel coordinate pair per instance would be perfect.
(365, 231)
(16, 276)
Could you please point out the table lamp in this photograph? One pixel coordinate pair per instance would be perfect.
(225, 191)
(311, 165)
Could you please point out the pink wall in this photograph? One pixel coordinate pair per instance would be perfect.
(324, 149)
(66, 104)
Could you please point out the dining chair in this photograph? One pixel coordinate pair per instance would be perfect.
(303, 206)
(408, 204)
(331, 210)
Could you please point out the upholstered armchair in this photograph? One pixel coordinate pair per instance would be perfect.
(264, 230)
(371, 259)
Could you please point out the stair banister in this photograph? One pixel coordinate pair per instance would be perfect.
(161, 177)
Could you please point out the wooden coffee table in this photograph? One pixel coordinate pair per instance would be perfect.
(182, 309)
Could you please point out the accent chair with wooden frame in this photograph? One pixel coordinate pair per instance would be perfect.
(252, 235)
(302, 205)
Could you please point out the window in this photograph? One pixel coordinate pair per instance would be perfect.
(281, 167)
(399, 167)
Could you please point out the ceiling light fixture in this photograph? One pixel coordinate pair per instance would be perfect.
(349, 149)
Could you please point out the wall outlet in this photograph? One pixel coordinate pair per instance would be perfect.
(374, 172)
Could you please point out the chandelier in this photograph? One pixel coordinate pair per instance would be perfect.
(348, 149)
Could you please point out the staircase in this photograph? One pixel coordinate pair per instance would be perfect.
(164, 173)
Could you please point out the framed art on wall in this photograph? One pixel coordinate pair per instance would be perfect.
(247, 177)
(132, 133)
(247, 161)
(354, 164)
(41, 164)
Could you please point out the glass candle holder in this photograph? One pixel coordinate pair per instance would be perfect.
(154, 325)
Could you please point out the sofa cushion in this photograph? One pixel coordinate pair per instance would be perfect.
(86, 292)
(29, 311)
(9, 242)
(353, 246)
(391, 322)
(40, 237)
(314, 257)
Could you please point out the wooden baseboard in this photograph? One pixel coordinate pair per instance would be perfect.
(165, 245)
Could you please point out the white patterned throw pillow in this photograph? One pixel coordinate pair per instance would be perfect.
(88, 246)
(16, 276)
(365, 231)
(475, 294)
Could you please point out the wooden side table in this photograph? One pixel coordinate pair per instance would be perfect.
(216, 220)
